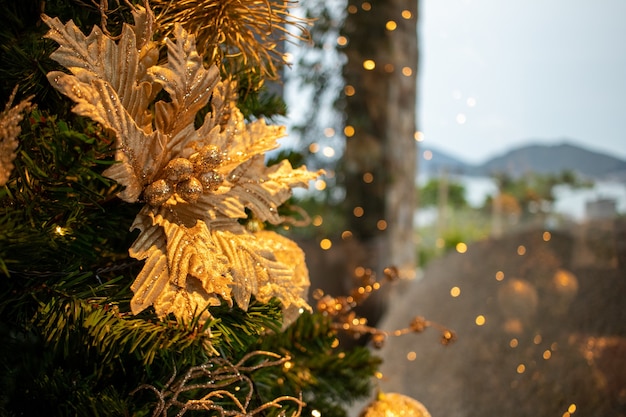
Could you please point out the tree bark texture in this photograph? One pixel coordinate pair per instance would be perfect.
(380, 160)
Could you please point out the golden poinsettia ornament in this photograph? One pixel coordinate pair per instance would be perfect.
(197, 182)
(10, 129)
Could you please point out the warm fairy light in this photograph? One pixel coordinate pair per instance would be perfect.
(480, 320)
(349, 90)
(359, 271)
(352, 9)
(455, 291)
(288, 57)
(366, 6)
(346, 234)
(418, 136)
(391, 25)
(328, 151)
(378, 375)
(320, 185)
(554, 346)
(342, 41)
(406, 14)
(547, 354)
(521, 368)
(471, 102)
(287, 365)
(499, 276)
(547, 236)
(388, 68)
(358, 211)
(461, 247)
(407, 71)
(369, 64)
(411, 356)
(335, 343)
(317, 221)
(461, 118)
(348, 131)
(537, 339)
(427, 155)
(314, 147)
(514, 343)
(521, 250)
(326, 244)
(368, 178)
(381, 225)
(316, 413)
(61, 231)
(571, 409)
(329, 132)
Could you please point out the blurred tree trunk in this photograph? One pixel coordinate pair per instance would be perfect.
(381, 157)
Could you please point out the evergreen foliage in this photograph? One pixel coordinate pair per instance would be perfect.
(70, 346)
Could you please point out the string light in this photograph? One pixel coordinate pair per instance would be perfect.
(320, 185)
(340, 309)
(418, 136)
(349, 90)
(328, 151)
(369, 64)
(461, 247)
(329, 132)
(366, 6)
(326, 244)
(499, 276)
(352, 9)
(368, 178)
(381, 225)
(480, 320)
(348, 131)
(406, 14)
(388, 68)
(391, 26)
(407, 71)
(521, 250)
(547, 236)
(314, 147)
(358, 211)
(342, 41)
(455, 291)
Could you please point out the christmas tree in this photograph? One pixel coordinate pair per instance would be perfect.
(142, 270)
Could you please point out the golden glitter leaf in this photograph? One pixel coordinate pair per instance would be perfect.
(10, 129)
(197, 182)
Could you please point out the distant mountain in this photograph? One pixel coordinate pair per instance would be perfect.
(433, 162)
(536, 158)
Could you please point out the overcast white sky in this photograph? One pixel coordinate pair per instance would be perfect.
(495, 74)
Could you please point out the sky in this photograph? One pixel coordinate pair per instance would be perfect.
(498, 74)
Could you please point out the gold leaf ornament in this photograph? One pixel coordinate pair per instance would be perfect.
(10, 129)
(196, 182)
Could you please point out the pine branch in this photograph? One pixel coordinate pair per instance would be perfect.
(327, 375)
